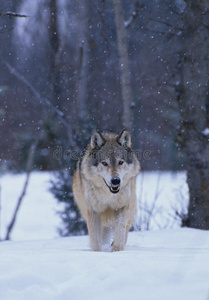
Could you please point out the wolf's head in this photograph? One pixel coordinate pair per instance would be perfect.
(110, 161)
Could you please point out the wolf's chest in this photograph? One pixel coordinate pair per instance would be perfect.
(100, 199)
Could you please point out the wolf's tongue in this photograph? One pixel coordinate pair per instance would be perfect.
(114, 189)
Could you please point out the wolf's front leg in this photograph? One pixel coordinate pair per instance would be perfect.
(93, 224)
(120, 232)
(119, 242)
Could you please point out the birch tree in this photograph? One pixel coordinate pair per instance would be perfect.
(83, 59)
(125, 77)
(54, 61)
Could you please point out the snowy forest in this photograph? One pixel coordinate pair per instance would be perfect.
(70, 67)
(64, 72)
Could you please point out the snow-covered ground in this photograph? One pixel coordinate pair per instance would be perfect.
(159, 195)
(37, 217)
(155, 265)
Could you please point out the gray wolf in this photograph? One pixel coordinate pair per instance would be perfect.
(104, 189)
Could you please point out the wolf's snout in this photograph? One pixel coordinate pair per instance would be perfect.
(115, 185)
(115, 181)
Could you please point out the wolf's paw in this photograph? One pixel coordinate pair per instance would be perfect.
(117, 248)
(95, 247)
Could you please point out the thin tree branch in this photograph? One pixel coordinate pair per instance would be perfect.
(28, 172)
(42, 99)
(13, 14)
(134, 15)
(161, 22)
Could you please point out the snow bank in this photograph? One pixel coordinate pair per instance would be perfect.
(37, 217)
(160, 195)
(159, 192)
(156, 265)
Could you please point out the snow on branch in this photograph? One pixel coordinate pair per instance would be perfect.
(134, 15)
(13, 14)
(206, 131)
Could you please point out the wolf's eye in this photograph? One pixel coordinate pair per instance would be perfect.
(104, 163)
(120, 162)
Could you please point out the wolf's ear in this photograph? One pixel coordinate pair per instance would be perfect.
(124, 138)
(97, 140)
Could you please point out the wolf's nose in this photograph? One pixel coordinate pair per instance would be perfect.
(115, 181)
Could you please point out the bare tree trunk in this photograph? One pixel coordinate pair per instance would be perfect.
(126, 90)
(192, 90)
(83, 67)
(19, 202)
(55, 74)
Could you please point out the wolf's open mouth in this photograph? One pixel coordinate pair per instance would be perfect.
(113, 189)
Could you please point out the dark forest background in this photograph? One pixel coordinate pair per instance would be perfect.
(69, 67)
(49, 48)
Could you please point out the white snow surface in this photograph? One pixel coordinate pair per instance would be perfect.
(155, 265)
(37, 217)
(169, 264)
(159, 192)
